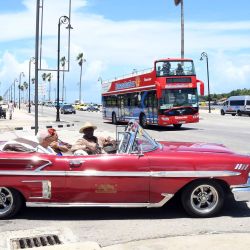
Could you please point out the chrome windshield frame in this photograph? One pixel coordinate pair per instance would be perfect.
(133, 128)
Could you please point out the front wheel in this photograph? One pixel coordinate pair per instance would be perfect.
(177, 126)
(203, 198)
(239, 113)
(10, 202)
(222, 112)
(114, 119)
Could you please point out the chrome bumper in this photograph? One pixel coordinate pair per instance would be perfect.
(242, 192)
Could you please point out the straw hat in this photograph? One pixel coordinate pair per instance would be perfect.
(87, 125)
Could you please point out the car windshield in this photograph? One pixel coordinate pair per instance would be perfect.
(135, 139)
(178, 98)
(67, 106)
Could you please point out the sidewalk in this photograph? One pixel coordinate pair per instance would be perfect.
(22, 125)
(21, 119)
(227, 241)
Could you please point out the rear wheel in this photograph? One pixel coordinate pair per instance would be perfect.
(177, 126)
(143, 120)
(222, 112)
(114, 119)
(239, 113)
(10, 202)
(203, 198)
(233, 114)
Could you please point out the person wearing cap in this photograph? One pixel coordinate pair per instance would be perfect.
(44, 139)
(90, 143)
(57, 145)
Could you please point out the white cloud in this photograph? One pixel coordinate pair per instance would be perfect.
(110, 46)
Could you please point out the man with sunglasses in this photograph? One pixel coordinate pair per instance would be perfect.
(44, 139)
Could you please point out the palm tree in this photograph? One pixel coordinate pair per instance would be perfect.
(49, 77)
(63, 62)
(44, 77)
(21, 88)
(80, 60)
(25, 87)
(177, 2)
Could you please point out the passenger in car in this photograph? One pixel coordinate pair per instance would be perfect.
(58, 145)
(91, 144)
(44, 139)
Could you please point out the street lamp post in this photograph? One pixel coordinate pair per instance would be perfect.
(204, 55)
(19, 88)
(62, 20)
(14, 90)
(32, 59)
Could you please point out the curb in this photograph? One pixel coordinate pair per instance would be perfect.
(48, 126)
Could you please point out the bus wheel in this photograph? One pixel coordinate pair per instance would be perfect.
(177, 126)
(222, 112)
(233, 114)
(114, 119)
(239, 113)
(143, 120)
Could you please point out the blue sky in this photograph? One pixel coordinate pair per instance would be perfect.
(118, 36)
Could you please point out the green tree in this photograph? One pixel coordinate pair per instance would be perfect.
(80, 60)
(63, 62)
(25, 88)
(47, 77)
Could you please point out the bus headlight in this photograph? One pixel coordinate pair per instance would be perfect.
(165, 119)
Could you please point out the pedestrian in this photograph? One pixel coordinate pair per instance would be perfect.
(91, 144)
(10, 109)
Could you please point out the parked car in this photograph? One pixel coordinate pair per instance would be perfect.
(68, 109)
(236, 105)
(3, 111)
(92, 108)
(80, 107)
(142, 173)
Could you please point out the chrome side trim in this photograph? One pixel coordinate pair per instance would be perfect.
(43, 166)
(194, 174)
(163, 201)
(153, 174)
(33, 173)
(46, 189)
(241, 166)
(166, 198)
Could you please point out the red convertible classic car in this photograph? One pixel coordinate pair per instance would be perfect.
(142, 173)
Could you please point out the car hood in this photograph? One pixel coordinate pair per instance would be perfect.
(195, 147)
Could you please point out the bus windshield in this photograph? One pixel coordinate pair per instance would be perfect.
(172, 68)
(178, 98)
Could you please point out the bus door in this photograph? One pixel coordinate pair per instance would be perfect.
(247, 106)
(152, 107)
(121, 107)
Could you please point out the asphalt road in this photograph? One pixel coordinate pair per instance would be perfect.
(109, 226)
(232, 131)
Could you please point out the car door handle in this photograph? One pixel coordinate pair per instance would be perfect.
(75, 163)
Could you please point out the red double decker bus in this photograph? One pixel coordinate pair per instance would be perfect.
(164, 95)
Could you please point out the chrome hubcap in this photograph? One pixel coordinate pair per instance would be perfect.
(204, 198)
(6, 200)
